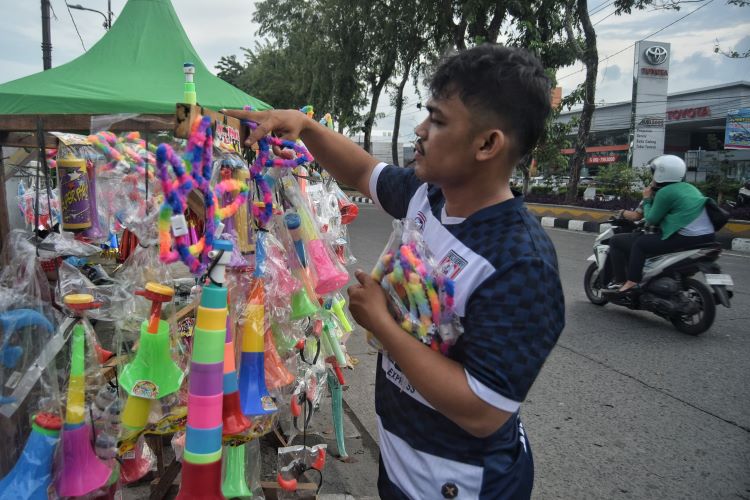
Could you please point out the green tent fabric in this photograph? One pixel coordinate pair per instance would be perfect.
(135, 68)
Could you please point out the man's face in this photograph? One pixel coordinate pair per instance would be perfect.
(444, 151)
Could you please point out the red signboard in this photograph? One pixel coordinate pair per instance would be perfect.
(688, 113)
(601, 159)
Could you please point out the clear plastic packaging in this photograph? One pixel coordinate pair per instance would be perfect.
(420, 297)
(300, 464)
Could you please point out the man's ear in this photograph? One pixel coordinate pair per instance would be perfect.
(494, 143)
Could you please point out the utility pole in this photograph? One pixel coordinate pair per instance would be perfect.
(109, 14)
(46, 36)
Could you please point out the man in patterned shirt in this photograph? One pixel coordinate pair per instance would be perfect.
(449, 426)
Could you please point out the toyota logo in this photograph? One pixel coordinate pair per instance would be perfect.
(656, 55)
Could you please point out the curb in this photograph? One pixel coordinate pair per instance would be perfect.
(727, 242)
(361, 199)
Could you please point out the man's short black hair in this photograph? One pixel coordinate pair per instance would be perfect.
(507, 82)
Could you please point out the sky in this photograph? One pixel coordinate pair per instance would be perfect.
(221, 27)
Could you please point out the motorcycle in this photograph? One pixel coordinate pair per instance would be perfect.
(668, 288)
(743, 196)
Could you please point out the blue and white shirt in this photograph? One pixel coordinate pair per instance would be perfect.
(510, 302)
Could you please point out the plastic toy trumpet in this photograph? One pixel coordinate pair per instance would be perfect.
(152, 374)
(82, 471)
(31, 476)
(201, 465)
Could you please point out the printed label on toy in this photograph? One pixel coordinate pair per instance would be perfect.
(145, 389)
(12, 381)
(267, 403)
(74, 197)
(72, 139)
(179, 225)
(227, 138)
(129, 455)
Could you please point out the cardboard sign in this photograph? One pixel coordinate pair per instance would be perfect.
(229, 134)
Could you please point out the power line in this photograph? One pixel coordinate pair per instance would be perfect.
(642, 39)
(75, 26)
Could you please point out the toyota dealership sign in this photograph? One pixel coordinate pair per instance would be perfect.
(650, 85)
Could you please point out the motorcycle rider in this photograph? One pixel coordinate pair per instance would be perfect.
(677, 208)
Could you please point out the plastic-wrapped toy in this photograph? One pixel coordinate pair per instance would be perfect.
(171, 215)
(293, 463)
(263, 160)
(330, 275)
(421, 298)
(152, 374)
(253, 391)
(31, 476)
(201, 464)
(81, 471)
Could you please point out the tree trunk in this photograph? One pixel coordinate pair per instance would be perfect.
(591, 60)
(525, 167)
(399, 108)
(377, 87)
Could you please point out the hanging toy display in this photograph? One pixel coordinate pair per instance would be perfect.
(264, 160)
(171, 215)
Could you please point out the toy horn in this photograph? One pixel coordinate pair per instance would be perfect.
(82, 471)
(234, 422)
(32, 474)
(254, 395)
(234, 485)
(277, 374)
(152, 374)
(201, 464)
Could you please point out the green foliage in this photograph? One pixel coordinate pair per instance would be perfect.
(719, 187)
(617, 179)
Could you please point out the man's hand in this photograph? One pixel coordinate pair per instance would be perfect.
(368, 303)
(346, 161)
(288, 123)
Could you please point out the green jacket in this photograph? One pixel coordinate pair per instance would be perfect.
(673, 207)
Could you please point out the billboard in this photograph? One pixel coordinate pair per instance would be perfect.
(737, 135)
(649, 108)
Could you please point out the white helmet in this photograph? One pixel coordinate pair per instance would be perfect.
(667, 168)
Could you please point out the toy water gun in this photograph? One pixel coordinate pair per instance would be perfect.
(152, 374)
(201, 467)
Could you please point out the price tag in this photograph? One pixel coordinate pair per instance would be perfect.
(179, 225)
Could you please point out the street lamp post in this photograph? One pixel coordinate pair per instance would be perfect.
(107, 17)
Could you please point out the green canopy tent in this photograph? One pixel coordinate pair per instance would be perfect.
(135, 68)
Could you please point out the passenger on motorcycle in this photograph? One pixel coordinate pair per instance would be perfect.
(677, 208)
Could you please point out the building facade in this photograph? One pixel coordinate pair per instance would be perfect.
(694, 125)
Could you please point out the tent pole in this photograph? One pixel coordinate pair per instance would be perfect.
(46, 36)
(4, 221)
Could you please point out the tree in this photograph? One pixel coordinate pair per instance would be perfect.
(586, 52)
